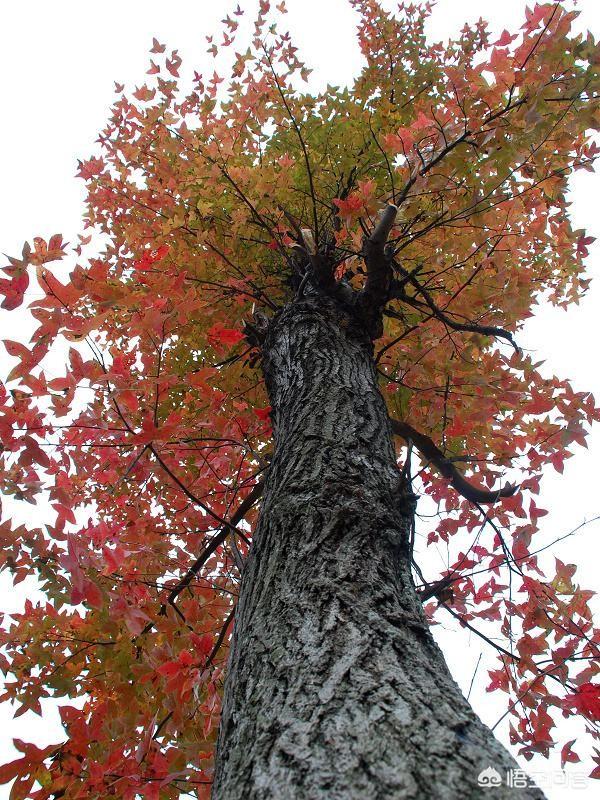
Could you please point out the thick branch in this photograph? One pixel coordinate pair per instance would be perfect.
(438, 588)
(322, 267)
(375, 294)
(383, 228)
(432, 452)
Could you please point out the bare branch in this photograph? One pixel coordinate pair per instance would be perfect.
(217, 540)
(432, 452)
(220, 638)
(397, 291)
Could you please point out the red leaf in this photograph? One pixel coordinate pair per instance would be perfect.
(586, 700)
(93, 595)
(12, 769)
(157, 47)
(203, 643)
(221, 335)
(263, 413)
(64, 512)
(566, 754)
(535, 16)
(351, 207)
(113, 558)
(505, 39)
(14, 289)
(91, 168)
(582, 245)
(44, 252)
(535, 513)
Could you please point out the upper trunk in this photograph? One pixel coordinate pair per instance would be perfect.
(335, 686)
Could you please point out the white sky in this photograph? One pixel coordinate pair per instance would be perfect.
(58, 62)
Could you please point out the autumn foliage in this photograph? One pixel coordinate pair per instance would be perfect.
(146, 455)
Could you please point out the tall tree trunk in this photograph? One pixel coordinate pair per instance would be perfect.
(335, 686)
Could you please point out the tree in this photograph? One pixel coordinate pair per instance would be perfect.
(292, 315)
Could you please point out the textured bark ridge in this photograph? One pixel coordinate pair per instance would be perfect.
(336, 688)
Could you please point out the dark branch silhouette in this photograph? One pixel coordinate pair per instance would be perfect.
(433, 453)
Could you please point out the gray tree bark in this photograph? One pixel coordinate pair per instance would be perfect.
(336, 689)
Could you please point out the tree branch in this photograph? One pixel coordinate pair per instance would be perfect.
(397, 291)
(432, 452)
(450, 146)
(302, 143)
(376, 291)
(481, 635)
(322, 267)
(220, 638)
(217, 540)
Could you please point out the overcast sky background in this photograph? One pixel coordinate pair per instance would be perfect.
(58, 64)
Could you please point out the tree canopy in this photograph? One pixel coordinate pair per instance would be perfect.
(202, 207)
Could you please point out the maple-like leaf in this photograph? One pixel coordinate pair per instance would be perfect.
(157, 47)
(218, 334)
(568, 755)
(586, 700)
